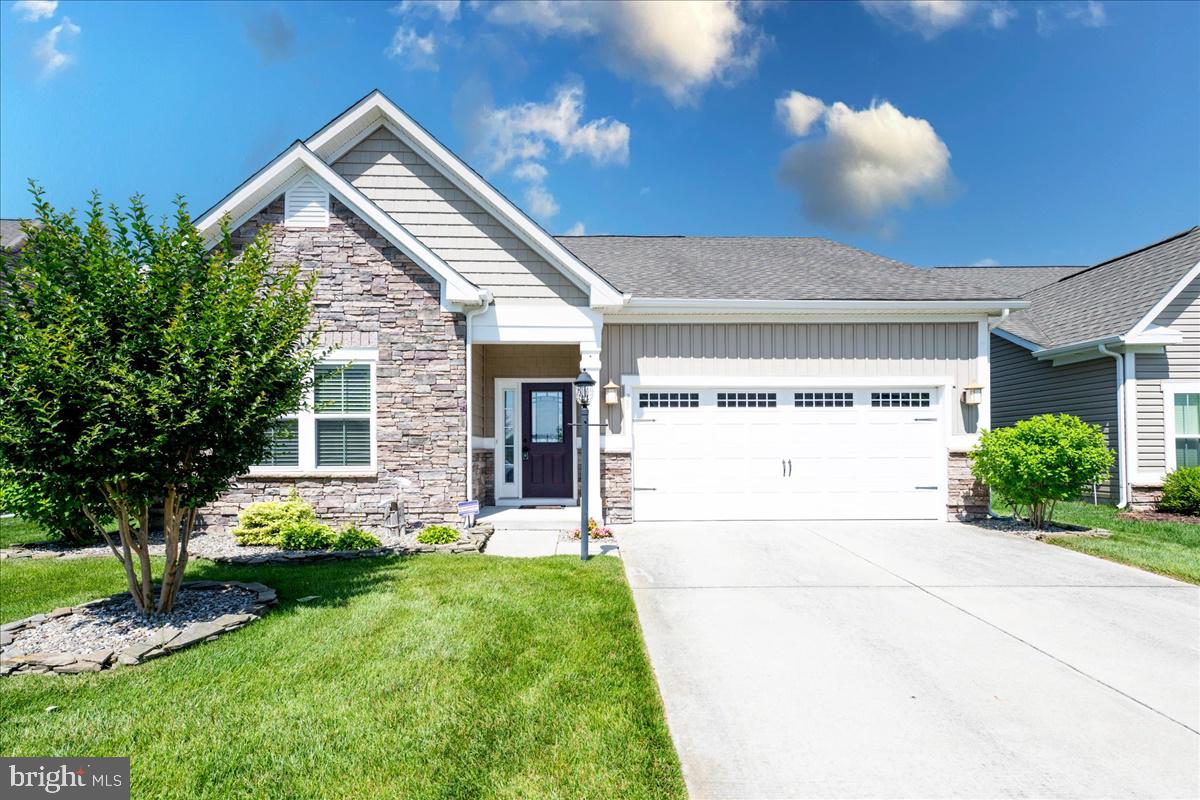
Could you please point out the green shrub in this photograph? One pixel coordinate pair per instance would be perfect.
(1041, 460)
(307, 535)
(1181, 492)
(265, 523)
(353, 537)
(438, 534)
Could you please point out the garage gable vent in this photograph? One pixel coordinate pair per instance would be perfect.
(306, 205)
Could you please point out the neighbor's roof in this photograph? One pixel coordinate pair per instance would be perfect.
(11, 235)
(1108, 299)
(762, 268)
(1016, 281)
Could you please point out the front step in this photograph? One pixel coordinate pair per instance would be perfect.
(510, 518)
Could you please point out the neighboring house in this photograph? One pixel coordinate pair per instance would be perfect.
(11, 235)
(754, 378)
(1117, 344)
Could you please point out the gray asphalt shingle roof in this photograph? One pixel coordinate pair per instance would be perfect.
(762, 268)
(11, 234)
(1016, 281)
(1107, 299)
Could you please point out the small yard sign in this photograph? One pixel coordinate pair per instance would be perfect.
(468, 508)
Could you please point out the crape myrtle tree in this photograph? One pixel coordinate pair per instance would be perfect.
(140, 369)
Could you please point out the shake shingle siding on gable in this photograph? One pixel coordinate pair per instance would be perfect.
(1023, 387)
(1180, 362)
(455, 227)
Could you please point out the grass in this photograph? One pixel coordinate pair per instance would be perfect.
(427, 677)
(14, 530)
(1168, 548)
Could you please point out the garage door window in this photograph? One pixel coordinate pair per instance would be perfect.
(900, 399)
(746, 400)
(824, 399)
(669, 400)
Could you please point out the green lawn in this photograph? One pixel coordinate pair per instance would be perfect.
(435, 676)
(14, 530)
(1168, 548)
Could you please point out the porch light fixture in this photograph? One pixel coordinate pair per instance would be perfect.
(972, 394)
(612, 394)
(583, 395)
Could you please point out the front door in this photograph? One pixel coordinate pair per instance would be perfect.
(546, 462)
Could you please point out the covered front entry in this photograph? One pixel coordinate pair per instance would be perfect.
(789, 453)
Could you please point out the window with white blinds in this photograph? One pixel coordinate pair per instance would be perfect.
(335, 430)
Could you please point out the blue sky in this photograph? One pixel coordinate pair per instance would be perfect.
(936, 133)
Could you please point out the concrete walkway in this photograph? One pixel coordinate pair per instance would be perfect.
(532, 544)
(915, 660)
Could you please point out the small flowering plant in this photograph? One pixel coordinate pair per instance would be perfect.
(595, 531)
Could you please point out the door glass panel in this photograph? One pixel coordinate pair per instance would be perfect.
(1187, 415)
(547, 413)
(510, 436)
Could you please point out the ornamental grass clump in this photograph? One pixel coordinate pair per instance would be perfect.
(1040, 461)
(438, 534)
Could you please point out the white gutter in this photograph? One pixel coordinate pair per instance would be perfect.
(1000, 320)
(486, 297)
(683, 304)
(1121, 448)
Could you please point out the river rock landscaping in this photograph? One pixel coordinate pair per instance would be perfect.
(1023, 528)
(109, 632)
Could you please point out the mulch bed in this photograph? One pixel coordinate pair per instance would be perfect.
(1158, 516)
(1023, 528)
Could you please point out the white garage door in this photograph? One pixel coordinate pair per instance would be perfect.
(762, 454)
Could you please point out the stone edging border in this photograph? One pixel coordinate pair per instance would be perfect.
(476, 539)
(166, 641)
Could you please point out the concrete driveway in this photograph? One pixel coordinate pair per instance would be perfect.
(915, 660)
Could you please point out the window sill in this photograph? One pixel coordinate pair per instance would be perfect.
(273, 474)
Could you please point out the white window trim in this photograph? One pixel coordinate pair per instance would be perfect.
(512, 491)
(307, 428)
(1169, 390)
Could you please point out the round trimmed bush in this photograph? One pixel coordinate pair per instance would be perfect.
(438, 534)
(1181, 492)
(353, 537)
(307, 535)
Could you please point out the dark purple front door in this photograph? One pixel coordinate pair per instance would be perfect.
(546, 463)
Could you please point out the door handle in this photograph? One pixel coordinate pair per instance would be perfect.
(789, 468)
(783, 466)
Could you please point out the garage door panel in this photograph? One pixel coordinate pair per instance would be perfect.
(853, 461)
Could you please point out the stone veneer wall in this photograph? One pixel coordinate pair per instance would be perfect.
(483, 463)
(616, 487)
(968, 498)
(1144, 497)
(369, 295)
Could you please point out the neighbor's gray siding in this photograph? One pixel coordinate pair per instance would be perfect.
(835, 350)
(1181, 362)
(1024, 387)
(455, 227)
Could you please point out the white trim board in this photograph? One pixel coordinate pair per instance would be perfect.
(298, 161)
(365, 116)
(1169, 390)
(1145, 322)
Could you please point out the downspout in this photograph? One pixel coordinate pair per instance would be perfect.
(1121, 448)
(486, 298)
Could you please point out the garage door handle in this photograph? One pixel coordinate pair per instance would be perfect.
(644, 489)
(925, 487)
(789, 468)
(924, 419)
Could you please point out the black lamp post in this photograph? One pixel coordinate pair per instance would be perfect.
(583, 396)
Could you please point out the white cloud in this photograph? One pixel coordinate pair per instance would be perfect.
(680, 47)
(526, 131)
(932, 18)
(540, 202)
(1089, 14)
(46, 51)
(446, 10)
(986, 262)
(577, 229)
(34, 10)
(798, 112)
(418, 52)
(524, 135)
(870, 161)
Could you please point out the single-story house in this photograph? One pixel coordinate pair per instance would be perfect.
(747, 378)
(1117, 344)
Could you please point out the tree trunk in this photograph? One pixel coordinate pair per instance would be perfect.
(133, 528)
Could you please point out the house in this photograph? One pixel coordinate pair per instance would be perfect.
(748, 378)
(1117, 344)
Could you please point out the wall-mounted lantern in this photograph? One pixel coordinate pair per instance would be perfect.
(612, 394)
(972, 394)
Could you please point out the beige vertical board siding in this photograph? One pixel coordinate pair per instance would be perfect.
(1180, 362)
(809, 350)
(1024, 387)
(493, 361)
(455, 227)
